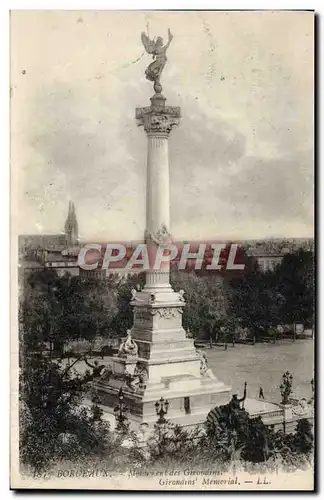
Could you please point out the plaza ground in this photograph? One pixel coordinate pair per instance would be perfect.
(264, 364)
(258, 365)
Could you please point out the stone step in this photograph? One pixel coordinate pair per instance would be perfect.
(186, 389)
(170, 345)
(185, 356)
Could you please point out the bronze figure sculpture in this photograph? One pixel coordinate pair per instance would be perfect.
(158, 50)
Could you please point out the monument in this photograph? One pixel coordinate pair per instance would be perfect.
(157, 359)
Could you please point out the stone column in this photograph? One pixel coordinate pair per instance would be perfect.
(158, 121)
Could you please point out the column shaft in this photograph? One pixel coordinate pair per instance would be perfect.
(158, 184)
(158, 121)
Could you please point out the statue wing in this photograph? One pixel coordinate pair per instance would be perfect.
(148, 44)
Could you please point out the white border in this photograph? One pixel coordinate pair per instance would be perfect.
(4, 254)
(163, 5)
(4, 164)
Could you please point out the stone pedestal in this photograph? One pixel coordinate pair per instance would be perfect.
(287, 411)
(167, 364)
(124, 366)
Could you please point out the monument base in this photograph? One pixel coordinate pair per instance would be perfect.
(157, 360)
(190, 399)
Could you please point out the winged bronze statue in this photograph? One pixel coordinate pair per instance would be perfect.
(158, 50)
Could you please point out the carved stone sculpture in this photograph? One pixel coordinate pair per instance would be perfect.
(204, 370)
(128, 347)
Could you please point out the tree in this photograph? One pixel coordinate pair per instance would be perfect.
(206, 301)
(255, 302)
(303, 438)
(123, 319)
(59, 309)
(295, 280)
(234, 434)
(229, 329)
(255, 444)
(262, 301)
(53, 425)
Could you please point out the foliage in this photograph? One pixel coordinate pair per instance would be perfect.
(173, 445)
(206, 302)
(64, 308)
(303, 438)
(255, 443)
(53, 425)
(262, 301)
(221, 303)
(123, 319)
(295, 280)
(237, 435)
(255, 302)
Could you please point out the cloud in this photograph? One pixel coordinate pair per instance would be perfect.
(241, 157)
(281, 188)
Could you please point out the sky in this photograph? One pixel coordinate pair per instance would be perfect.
(241, 161)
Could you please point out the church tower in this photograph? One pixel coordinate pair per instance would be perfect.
(71, 226)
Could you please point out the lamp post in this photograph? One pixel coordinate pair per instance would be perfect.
(53, 313)
(286, 390)
(120, 410)
(286, 387)
(161, 408)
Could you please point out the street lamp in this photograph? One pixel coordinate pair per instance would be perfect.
(54, 311)
(286, 387)
(120, 410)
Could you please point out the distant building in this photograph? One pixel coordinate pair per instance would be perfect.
(266, 262)
(71, 227)
(60, 251)
(53, 251)
(56, 251)
(269, 253)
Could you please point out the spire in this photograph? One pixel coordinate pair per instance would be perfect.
(71, 226)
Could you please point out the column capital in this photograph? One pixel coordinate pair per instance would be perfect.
(158, 118)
